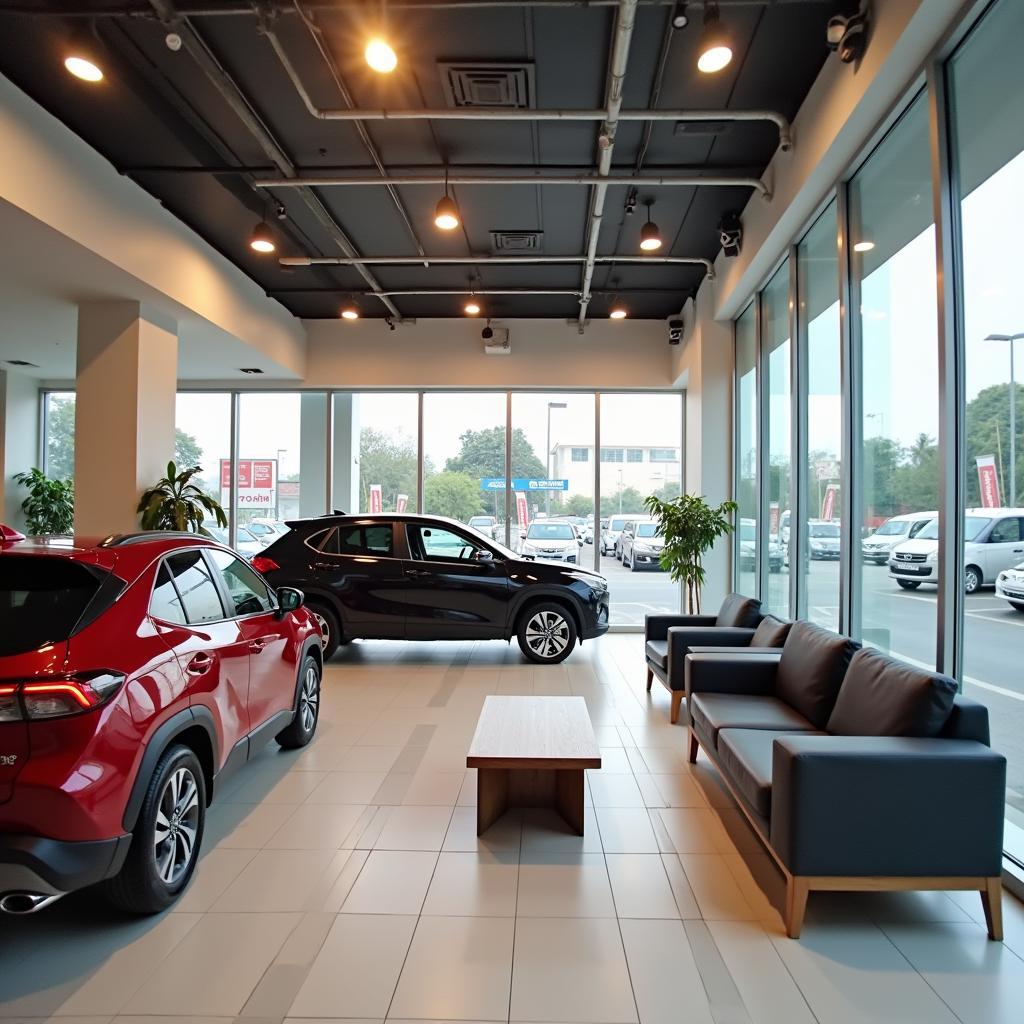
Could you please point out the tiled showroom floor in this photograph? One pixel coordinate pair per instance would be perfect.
(346, 881)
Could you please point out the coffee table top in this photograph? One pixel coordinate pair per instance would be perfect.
(534, 732)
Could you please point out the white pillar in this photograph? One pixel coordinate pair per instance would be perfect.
(347, 428)
(124, 412)
(313, 467)
(19, 441)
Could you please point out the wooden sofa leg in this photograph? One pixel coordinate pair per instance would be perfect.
(694, 747)
(650, 679)
(677, 700)
(992, 902)
(796, 905)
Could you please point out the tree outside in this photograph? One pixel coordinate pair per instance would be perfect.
(483, 455)
(390, 461)
(453, 494)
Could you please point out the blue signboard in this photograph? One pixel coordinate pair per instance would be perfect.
(491, 483)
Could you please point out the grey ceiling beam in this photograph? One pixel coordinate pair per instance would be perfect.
(194, 45)
(622, 35)
(408, 292)
(646, 181)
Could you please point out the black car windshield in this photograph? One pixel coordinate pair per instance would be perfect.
(550, 531)
(825, 530)
(42, 600)
(647, 530)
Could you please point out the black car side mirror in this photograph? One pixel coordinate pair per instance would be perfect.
(483, 555)
(289, 600)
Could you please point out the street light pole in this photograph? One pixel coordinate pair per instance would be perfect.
(277, 484)
(547, 455)
(1011, 338)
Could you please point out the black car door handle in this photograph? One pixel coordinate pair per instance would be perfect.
(323, 565)
(416, 572)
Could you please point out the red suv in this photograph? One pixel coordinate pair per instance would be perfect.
(136, 673)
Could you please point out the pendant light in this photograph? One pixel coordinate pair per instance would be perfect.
(472, 307)
(446, 213)
(715, 47)
(349, 310)
(650, 236)
(261, 240)
(380, 56)
(81, 58)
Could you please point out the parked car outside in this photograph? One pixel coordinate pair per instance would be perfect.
(1010, 586)
(993, 543)
(610, 533)
(247, 544)
(823, 537)
(486, 525)
(876, 547)
(394, 577)
(748, 548)
(138, 673)
(642, 546)
(551, 540)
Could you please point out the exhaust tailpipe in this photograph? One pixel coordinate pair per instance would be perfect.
(22, 903)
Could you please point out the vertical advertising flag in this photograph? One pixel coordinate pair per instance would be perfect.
(828, 502)
(401, 502)
(988, 481)
(522, 511)
(376, 498)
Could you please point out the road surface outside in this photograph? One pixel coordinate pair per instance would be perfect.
(901, 621)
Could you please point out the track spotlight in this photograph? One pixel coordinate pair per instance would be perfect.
(380, 56)
(848, 37)
(81, 58)
(350, 311)
(261, 240)
(715, 49)
(650, 236)
(730, 232)
(680, 19)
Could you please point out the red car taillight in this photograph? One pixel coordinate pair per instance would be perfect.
(263, 564)
(57, 698)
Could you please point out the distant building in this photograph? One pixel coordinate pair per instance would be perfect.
(648, 468)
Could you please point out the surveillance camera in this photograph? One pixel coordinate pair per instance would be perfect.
(680, 19)
(730, 231)
(848, 37)
(675, 331)
(487, 333)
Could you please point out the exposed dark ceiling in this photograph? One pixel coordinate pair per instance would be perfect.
(160, 118)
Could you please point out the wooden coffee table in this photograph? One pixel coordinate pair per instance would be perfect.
(532, 752)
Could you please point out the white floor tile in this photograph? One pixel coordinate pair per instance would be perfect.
(391, 882)
(347, 788)
(626, 830)
(317, 827)
(640, 886)
(474, 885)
(504, 835)
(414, 828)
(564, 885)
(694, 830)
(277, 881)
(614, 790)
(715, 889)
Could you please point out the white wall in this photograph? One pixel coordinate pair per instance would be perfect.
(19, 441)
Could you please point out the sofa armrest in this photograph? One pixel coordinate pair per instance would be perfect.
(968, 721)
(656, 627)
(749, 673)
(682, 638)
(737, 651)
(887, 806)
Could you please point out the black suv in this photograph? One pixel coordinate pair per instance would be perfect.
(395, 577)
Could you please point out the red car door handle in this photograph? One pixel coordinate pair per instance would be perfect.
(257, 645)
(200, 664)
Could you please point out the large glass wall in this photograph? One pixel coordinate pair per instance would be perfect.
(59, 435)
(746, 452)
(818, 320)
(894, 317)
(987, 97)
(202, 422)
(777, 362)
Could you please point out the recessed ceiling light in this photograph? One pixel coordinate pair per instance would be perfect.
(261, 240)
(715, 49)
(863, 246)
(380, 56)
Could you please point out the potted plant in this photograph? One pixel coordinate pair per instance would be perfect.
(690, 527)
(50, 505)
(175, 503)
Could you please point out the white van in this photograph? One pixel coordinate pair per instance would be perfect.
(994, 541)
(876, 547)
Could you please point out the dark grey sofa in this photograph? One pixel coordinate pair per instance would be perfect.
(858, 771)
(740, 623)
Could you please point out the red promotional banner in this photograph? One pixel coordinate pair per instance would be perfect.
(376, 498)
(828, 503)
(988, 481)
(401, 502)
(522, 511)
(257, 482)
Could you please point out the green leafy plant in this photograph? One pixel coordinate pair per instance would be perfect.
(174, 503)
(690, 527)
(50, 505)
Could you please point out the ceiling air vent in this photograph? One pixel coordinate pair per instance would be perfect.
(524, 242)
(487, 84)
(702, 127)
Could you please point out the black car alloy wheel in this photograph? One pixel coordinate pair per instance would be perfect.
(546, 633)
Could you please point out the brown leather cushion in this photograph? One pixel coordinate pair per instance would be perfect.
(811, 670)
(657, 652)
(881, 696)
(714, 711)
(770, 632)
(738, 610)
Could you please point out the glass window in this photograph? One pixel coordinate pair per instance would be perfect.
(651, 423)
(165, 603)
(194, 583)
(372, 541)
(818, 312)
(746, 452)
(464, 456)
(987, 96)
(776, 360)
(430, 542)
(248, 593)
(663, 455)
(542, 530)
(892, 242)
(581, 455)
(611, 455)
(59, 430)
(1006, 531)
(637, 454)
(647, 530)
(202, 437)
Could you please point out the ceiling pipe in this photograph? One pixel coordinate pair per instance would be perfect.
(402, 261)
(407, 292)
(645, 181)
(624, 20)
(193, 44)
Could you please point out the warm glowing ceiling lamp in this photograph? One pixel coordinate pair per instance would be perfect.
(715, 49)
(650, 236)
(864, 246)
(80, 58)
(350, 311)
(472, 306)
(380, 56)
(261, 240)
